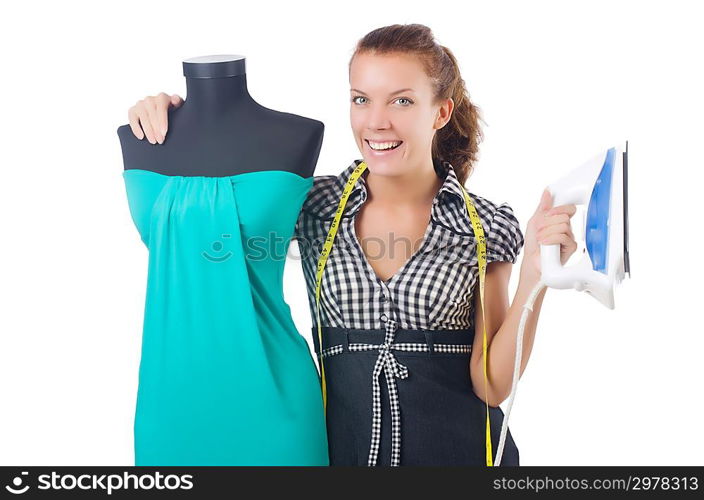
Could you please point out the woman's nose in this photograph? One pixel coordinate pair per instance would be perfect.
(378, 118)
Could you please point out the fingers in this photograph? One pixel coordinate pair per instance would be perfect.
(150, 116)
(556, 215)
(562, 209)
(147, 121)
(176, 100)
(140, 121)
(162, 104)
(567, 243)
(552, 220)
(155, 108)
(133, 117)
(555, 228)
(551, 229)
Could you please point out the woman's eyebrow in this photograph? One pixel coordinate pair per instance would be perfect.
(392, 93)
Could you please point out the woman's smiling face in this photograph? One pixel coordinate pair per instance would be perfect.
(391, 104)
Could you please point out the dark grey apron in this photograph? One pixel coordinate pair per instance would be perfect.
(425, 412)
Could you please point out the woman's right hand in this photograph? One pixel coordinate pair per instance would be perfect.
(152, 114)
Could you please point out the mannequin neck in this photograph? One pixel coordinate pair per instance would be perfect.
(216, 86)
(218, 95)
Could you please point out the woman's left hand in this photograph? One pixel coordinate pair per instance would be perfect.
(548, 226)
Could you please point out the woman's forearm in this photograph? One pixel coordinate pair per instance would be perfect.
(502, 348)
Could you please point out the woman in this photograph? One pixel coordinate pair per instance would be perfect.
(413, 314)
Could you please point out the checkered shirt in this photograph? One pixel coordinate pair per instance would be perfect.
(433, 290)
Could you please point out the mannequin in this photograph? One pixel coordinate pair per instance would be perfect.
(220, 130)
(225, 378)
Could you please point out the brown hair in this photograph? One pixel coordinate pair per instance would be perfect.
(458, 141)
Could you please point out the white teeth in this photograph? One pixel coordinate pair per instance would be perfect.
(383, 145)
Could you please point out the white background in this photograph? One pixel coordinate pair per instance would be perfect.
(557, 82)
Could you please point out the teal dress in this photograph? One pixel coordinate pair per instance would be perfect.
(224, 378)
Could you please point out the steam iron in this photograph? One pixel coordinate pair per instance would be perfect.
(601, 184)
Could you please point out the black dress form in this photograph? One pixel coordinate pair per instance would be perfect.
(224, 377)
(219, 130)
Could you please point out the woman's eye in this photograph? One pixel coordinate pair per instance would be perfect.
(408, 101)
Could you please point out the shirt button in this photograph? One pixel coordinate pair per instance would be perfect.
(383, 297)
(383, 318)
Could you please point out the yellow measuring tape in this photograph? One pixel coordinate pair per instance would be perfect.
(325, 253)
